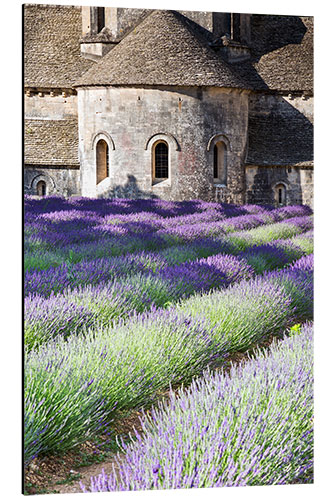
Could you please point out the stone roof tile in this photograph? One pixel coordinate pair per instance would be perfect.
(52, 56)
(51, 142)
(166, 48)
(282, 51)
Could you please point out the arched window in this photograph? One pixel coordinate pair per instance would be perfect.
(41, 188)
(160, 161)
(280, 194)
(220, 163)
(102, 160)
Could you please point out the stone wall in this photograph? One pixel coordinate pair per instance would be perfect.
(51, 141)
(204, 19)
(190, 120)
(55, 104)
(280, 148)
(261, 183)
(59, 181)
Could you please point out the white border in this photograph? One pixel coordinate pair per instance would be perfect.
(11, 247)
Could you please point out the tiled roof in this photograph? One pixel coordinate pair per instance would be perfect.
(51, 46)
(280, 138)
(51, 142)
(282, 51)
(166, 48)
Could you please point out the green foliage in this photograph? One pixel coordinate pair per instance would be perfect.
(295, 329)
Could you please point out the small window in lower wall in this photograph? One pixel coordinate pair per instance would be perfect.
(280, 194)
(160, 161)
(41, 188)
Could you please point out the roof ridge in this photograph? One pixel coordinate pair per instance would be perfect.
(165, 48)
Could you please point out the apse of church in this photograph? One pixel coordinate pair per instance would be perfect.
(177, 105)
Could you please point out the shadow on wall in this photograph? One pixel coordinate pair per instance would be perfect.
(266, 182)
(279, 139)
(268, 34)
(282, 137)
(129, 190)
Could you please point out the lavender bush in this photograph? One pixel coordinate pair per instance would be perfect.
(103, 334)
(132, 361)
(264, 234)
(245, 314)
(104, 304)
(71, 386)
(252, 426)
(297, 281)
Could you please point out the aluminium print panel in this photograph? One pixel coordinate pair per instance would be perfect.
(168, 249)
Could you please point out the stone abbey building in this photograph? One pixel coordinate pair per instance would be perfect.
(170, 104)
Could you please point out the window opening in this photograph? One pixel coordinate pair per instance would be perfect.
(216, 171)
(161, 154)
(107, 159)
(102, 161)
(235, 27)
(41, 188)
(100, 18)
(280, 194)
(219, 163)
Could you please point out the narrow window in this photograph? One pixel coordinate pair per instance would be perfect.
(235, 27)
(100, 18)
(97, 19)
(220, 163)
(41, 188)
(280, 194)
(102, 160)
(227, 24)
(161, 161)
(216, 170)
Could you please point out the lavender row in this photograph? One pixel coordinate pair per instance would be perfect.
(71, 274)
(109, 301)
(106, 303)
(71, 312)
(252, 426)
(215, 228)
(120, 206)
(73, 388)
(67, 228)
(125, 366)
(250, 311)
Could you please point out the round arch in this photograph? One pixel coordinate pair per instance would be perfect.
(102, 160)
(163, 163)
(49, 183)
(219, 138)
(280, 190)
(105, 136)
(163, 136)
(218, 148)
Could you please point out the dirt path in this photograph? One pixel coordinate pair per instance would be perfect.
(85, 474)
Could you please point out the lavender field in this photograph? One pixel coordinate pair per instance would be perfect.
(145, 305)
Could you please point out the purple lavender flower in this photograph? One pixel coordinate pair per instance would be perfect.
(251, 427)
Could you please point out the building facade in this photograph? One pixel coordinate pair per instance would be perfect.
(168, 104)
